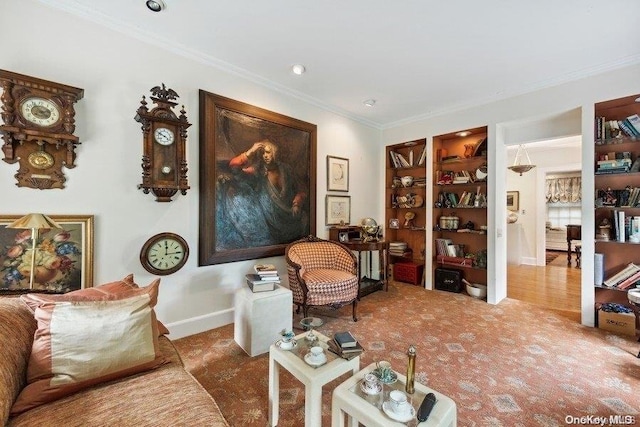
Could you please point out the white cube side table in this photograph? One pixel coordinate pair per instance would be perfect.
(346, 401)
(259, 317)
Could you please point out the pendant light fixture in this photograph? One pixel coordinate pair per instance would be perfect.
(518, 166)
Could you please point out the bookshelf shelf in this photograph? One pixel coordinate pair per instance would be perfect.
(409, 231)
(613, 144)
(465, 165)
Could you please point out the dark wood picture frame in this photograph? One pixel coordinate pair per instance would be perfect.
(257, 181)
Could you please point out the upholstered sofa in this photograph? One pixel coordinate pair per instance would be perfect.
(165, 395)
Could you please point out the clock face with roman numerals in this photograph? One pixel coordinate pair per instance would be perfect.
(164, 253)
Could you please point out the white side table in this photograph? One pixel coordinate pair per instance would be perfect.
(349, 400)
(259, 317)
(312, 378)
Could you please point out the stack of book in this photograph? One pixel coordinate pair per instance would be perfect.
(624, 279)
(265, 278)
(345, 345)
(397, 248)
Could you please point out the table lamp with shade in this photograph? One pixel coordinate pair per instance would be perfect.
(34, 222)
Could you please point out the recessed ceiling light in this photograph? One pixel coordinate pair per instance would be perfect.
(298, 69)
(463, 133)
(369, 102)
(638, 99)
(156, 5)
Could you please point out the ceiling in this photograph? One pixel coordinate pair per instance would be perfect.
(416, 58)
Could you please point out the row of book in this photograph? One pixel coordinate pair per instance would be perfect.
(628, 197)
(400, 161)
(625, 278)
(625, 226)
(265, 278)
(446, 247)
(446, 177)
(607, 129)
(468, 199)
(345, 345)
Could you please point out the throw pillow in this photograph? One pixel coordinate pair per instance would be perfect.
(82, 343)
(119, 289)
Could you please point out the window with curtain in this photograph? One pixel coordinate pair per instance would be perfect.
(563, 189)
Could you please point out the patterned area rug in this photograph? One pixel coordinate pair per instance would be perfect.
(552, 255)
(513, 364)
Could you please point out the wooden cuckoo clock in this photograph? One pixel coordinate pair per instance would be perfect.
(164, 136)
(39, 121)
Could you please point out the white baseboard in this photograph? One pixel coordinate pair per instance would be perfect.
(528, 260)
(195, 325)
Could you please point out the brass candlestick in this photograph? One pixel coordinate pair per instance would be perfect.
(411, 370)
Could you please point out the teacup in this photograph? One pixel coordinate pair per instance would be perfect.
(371, 383)
(317, 354)
(385, 373)
(398, 401)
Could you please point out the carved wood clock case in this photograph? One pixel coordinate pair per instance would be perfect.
(39, 122)
(164, 163)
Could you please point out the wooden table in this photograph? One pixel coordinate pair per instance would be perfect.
(368, 284)
(574, 232)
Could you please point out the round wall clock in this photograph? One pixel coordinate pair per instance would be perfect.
(164, 253)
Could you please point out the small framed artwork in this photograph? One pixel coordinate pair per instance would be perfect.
(64, 258)
(394, 223)
(343, 236)
(513, 200)
(337, 174)
(338, 210)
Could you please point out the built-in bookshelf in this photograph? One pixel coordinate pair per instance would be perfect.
(460, 203)
(617, 190)
(405, 211)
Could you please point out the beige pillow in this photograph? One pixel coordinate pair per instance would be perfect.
(109, 291)
(82, 343)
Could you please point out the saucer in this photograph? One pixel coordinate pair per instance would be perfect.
(393, 379)
(403, 418)
(283, 345)
(314, 363)
(373, 392)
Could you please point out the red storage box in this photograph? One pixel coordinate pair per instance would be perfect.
(408, 272)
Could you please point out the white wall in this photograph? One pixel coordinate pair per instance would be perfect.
(115, 71)
(531, 187)
(575, 99)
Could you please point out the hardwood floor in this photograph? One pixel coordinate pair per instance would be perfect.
(554, 286)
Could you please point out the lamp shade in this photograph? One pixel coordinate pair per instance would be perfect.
(34, 221)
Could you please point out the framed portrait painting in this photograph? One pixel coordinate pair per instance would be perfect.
(257, 180)
(337, 174)
(338, 210)
(513, 200)
(63, 257)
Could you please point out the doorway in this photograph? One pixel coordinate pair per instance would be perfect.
(529, 277)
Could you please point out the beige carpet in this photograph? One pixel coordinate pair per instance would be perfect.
(513, 364)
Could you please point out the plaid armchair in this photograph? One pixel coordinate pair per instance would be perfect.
(321, 272)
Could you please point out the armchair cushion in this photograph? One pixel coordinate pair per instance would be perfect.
(328, 286)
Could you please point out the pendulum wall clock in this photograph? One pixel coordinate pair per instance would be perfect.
(39, 121)
(164, 136)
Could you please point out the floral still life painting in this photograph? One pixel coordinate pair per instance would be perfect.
(62, 257)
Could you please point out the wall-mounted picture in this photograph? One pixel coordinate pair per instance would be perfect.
(338, 210)
(337, 174)
(63, 257)
(513, 200)
(257, 180)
